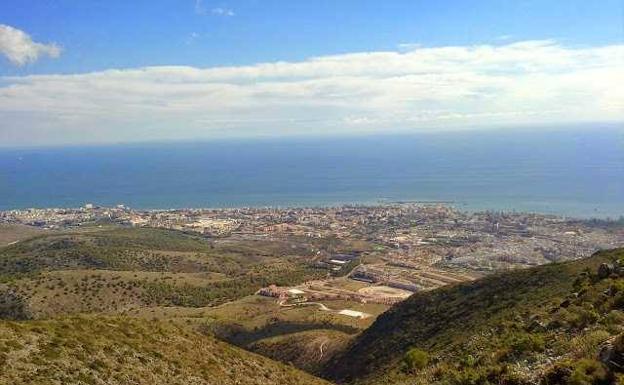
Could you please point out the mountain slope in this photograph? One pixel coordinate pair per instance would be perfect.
(112, 269)
(307, 350)
(546, 324)
(106, 350)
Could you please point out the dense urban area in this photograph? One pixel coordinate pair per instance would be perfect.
(397, 249)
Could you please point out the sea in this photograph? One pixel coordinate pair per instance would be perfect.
(573, 172)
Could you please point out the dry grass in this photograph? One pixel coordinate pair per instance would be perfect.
(13, 233)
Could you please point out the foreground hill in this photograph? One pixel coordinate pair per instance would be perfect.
(119, 350)
(553, 324)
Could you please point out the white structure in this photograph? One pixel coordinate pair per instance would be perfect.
(296, 292)
(354, 313)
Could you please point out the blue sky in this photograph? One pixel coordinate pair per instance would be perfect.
(97, 35)
(174, 39)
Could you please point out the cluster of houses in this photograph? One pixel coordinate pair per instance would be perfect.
(283, 293)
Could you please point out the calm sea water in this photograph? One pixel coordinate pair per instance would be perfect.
(572, 172)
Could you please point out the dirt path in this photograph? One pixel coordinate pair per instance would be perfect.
(321, 349)
(320, 305)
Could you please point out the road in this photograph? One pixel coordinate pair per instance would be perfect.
(320, 305)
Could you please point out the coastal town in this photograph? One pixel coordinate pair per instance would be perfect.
(393, 250)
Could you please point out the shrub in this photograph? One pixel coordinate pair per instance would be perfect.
(467, 376)
(13, 306)
(497, 374)
(521, 344)
(582, 316)
(589, 372)
(581, 372)
(558, 374)
(586, 344)
(614, 321)
(415, 359)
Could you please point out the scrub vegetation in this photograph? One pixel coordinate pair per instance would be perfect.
(118, 305)
(561, 323)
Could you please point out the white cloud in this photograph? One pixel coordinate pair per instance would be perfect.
(222, 11)
(530, 82)
(20, 49)
(200, 9)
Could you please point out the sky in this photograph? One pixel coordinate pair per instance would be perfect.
(74, 71)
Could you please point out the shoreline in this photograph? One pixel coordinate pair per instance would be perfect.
(448, 205)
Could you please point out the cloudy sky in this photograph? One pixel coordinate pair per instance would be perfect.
(99, 72)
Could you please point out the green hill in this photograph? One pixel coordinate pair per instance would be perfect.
(110, 269)
(553, 324)
(119, 350)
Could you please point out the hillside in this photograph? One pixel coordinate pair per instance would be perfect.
(114, 269)
(307, 350)
(119, 350)
(116, 305)
(12, 233)
(541, 325)
(152, 294)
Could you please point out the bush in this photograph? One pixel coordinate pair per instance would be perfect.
(614, 321)
(558, 374)
(13, 306)
(581, 372)
(589, 372)
(585, 345)
(497, 374)
(525, 343)
(415, 359)
(582, 316)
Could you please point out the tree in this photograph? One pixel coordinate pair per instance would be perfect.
(415, 359)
